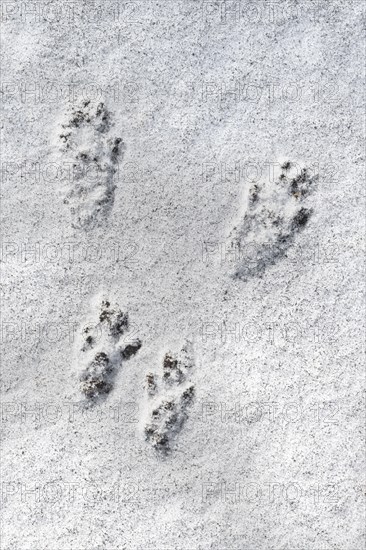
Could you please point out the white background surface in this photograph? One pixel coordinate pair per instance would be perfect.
(291, 477)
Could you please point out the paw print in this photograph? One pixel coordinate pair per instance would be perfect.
(102, 353)
(276, 212)
(94, 155)
(169, 398)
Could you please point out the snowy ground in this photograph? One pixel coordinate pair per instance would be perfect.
(182, 310)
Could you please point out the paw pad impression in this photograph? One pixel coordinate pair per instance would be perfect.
(102, 352)
(94, 154)
(276, 211)
(169, 398)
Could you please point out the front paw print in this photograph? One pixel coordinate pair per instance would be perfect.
(102, 354)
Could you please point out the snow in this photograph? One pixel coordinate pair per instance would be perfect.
(209, 100)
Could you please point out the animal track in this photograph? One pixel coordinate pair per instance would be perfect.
(275, 214)
(169, 398)
(101, 353)
(95, 157)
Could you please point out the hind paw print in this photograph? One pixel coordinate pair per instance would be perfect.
(102, 353)
(275, 213)
(169, 398)
(94, 156)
